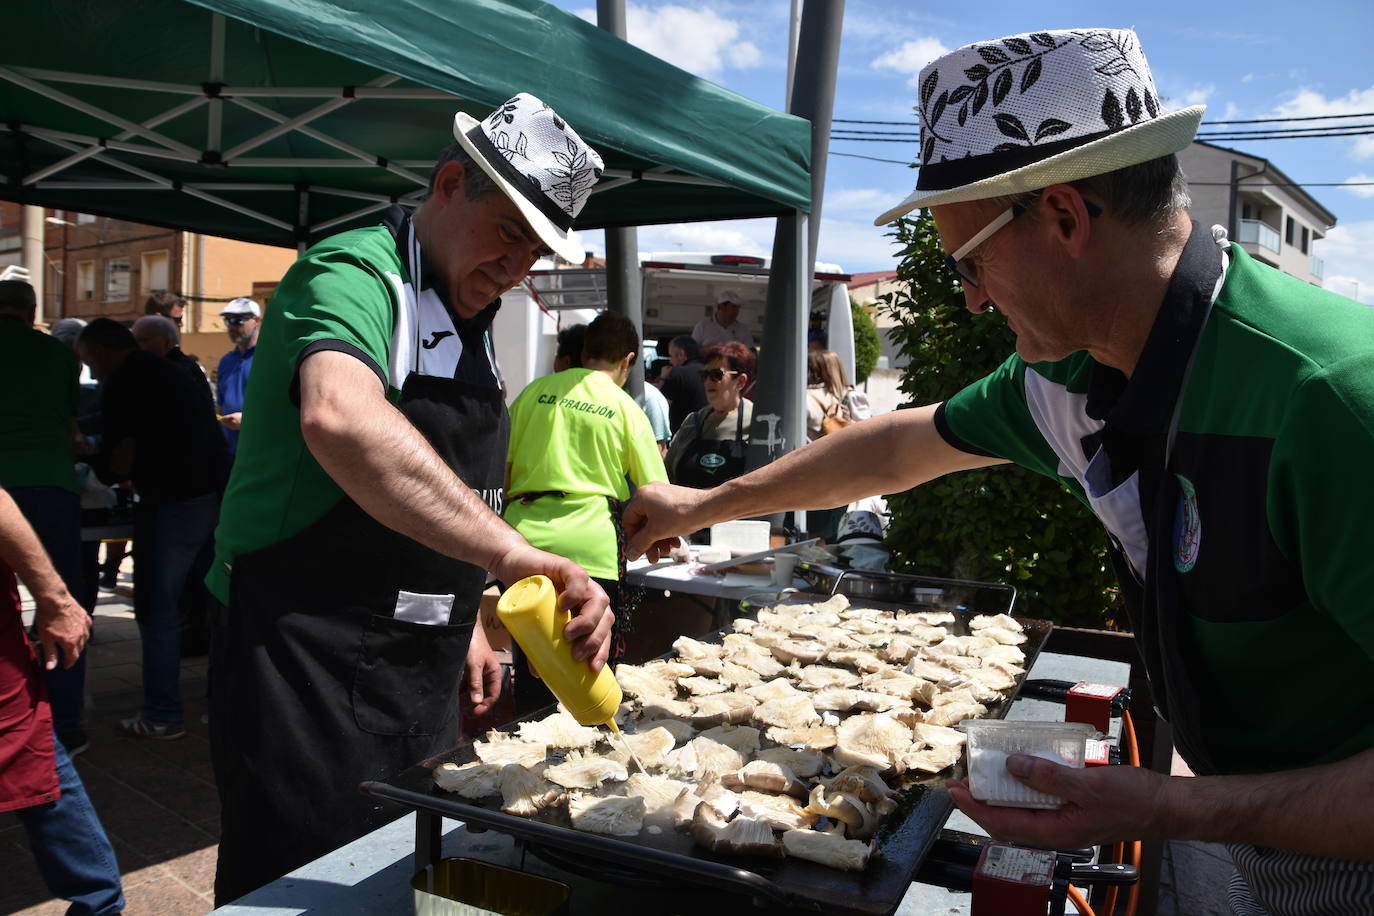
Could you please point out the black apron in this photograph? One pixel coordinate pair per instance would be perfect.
(708, 463)
(317, 683)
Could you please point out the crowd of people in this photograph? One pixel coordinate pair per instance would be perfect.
(1202, 405)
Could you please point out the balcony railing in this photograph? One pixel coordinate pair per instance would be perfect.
(1318, 267)
(1259, 233)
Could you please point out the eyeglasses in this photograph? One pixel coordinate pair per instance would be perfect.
(235, 320)
(715, 375)
(961, 264)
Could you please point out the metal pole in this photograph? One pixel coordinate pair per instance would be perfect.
(813, 96)
(779, 424)
(32, 229)
(623, 294)
(793, 28)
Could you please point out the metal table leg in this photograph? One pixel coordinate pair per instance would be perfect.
(429, 836)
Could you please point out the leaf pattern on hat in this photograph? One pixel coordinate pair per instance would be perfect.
(505, 113)
(990, 82)
(575, 178)
(501, 140)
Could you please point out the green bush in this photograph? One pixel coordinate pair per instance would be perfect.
(866, 344)
(1005, 523)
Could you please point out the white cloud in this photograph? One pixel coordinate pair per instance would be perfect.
(1348, 251)
(911, 57)
(699, 40)
(1198, 95)
(1367, 190)
(1309, 103)
(1247, 78)
(1231, 112)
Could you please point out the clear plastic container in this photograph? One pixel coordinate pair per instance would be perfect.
(741, 537)
(991, 742)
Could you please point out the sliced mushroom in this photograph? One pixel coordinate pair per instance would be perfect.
(743, 836)
(859, 818)
(819, 677)
(616, 815)
(688, 648)
(774, 689)
(500, 748)
(649, 746)
(804, 763)
(860, 781)
(559, 730)
(814, 738)
(802, 651)
(471, 780)
(579, 772)
(742, 738)
(871, 739)
(788, 712)
(660, 794)
(714, 757)
(768, 776)
(525, 793)
(783, 812)
(954, 713)
(827, 849)
(755, 658)
(721, 709)
(702, 686)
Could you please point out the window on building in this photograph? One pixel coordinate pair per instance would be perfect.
(154, 271)
(1305, 239)
(83, 218)
(117, 280)
(85, 280)
(1289, 231)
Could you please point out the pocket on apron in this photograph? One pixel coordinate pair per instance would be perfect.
(407, 678)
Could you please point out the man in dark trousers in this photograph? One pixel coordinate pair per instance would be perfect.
(362, 516)
(160, 432)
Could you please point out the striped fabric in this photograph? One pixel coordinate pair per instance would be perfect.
(1274, 882)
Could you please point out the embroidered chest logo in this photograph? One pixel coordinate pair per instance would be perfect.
(711, 461)
(1187, 527)
(434, 341)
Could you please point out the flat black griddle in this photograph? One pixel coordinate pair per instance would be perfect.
(903, 840)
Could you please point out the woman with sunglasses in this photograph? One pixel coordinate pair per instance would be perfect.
(709, 448)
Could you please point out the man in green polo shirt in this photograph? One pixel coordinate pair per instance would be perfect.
(39, 383)
(1216, 415)
(363, 514)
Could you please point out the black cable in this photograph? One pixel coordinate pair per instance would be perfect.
(1361, 114)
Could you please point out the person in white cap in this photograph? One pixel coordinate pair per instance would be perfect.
(242, 319)
(1215, 414)
(363, 513)
(723, 326)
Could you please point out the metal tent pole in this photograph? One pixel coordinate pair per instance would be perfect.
(779, 424)
(622, 244)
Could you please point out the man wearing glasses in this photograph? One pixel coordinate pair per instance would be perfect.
(1216, 415)
(167, 304)
(242, 318)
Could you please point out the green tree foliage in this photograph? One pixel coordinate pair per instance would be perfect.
(866, 343)
(1005, 523)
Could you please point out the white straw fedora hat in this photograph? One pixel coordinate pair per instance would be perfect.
(541, 164)
(1028, 111)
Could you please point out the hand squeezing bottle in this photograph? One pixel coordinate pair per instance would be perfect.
(529, 609)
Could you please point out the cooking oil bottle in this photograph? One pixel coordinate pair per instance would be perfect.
(529, 609)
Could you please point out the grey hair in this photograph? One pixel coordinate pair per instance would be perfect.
(1146, 194)
(67, 330)
(478, 183)
(166, 328)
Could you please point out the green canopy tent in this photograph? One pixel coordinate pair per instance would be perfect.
(283, 121)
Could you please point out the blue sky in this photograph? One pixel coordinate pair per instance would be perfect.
(1251, 60)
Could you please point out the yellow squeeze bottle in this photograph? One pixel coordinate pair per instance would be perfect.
(529, 609)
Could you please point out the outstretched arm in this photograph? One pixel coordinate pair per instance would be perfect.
(887, 454)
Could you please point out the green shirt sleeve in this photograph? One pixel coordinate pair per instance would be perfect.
(332, 299)
(990, 417)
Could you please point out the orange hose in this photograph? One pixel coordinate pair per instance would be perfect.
(1133, 758)
(1079, 903)
(1111, 855)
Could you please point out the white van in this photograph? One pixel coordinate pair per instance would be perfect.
(679, 289)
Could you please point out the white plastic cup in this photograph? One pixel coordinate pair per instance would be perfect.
(784, 568)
